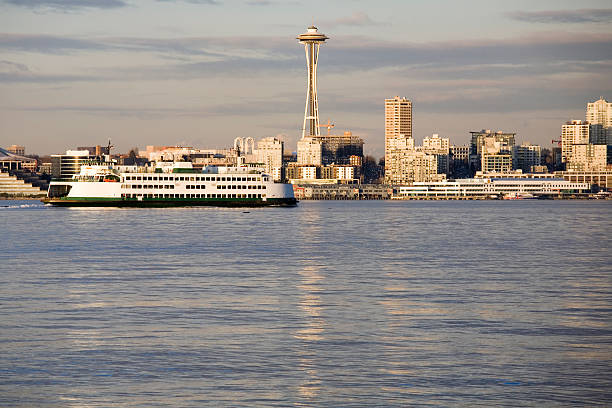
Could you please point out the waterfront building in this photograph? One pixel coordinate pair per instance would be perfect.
(306, 174)
(601, 179)
(515, 174)
(599, 113)
(572, 133)
(505, 139)
(270, 154)
(64, 166)
(13, 161)
(483, 188)
(312, 40)
(527, 156)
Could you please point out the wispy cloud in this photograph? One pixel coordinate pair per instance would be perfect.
(10, 66)
(47, 44)
(67, 5)
(358, 18)
(563, 16)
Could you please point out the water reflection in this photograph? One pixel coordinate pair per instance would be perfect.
(310, 304)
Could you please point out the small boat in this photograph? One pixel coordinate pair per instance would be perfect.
(519, 196)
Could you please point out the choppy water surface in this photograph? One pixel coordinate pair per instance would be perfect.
(330, 304)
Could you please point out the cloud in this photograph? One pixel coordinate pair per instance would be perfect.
(11, 67)
(32, 78)
(210, 2)
(539, 71)
(271, 2)
(65, 5)
(358, 18)
(563, 16)
(194, 46)
(114, 110)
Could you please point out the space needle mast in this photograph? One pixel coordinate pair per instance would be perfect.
(311, 39)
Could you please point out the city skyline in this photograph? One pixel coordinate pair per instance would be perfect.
(146, 73)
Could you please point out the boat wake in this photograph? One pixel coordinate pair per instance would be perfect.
(9, 206)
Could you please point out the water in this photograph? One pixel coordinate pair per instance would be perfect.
(330, 304)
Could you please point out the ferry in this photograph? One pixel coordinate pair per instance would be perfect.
(169, 184)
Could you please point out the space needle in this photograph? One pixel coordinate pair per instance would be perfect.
(311, 39)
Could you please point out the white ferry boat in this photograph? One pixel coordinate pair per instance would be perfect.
(169, 184)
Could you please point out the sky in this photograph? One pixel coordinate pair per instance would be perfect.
(203, 72)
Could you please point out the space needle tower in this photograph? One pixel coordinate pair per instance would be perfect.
(311, 39)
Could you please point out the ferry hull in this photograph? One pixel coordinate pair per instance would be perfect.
(175, 202)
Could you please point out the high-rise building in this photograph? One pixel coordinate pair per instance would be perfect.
(398, 127)
(460, 153)
(572, 133)
(478, 141)
(311, 39)
(440, 146)
(496, 156)
(270, 154)
(599, 113)
(405, 164)
(310, 151)
(398, 117)
(338, 149)
(587, 157)
(526, 156)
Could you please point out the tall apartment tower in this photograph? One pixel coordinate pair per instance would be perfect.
(599, 113)
(398, 126)
(573, 133)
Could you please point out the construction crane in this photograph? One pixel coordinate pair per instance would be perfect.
(558, 142)
(329, 126)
